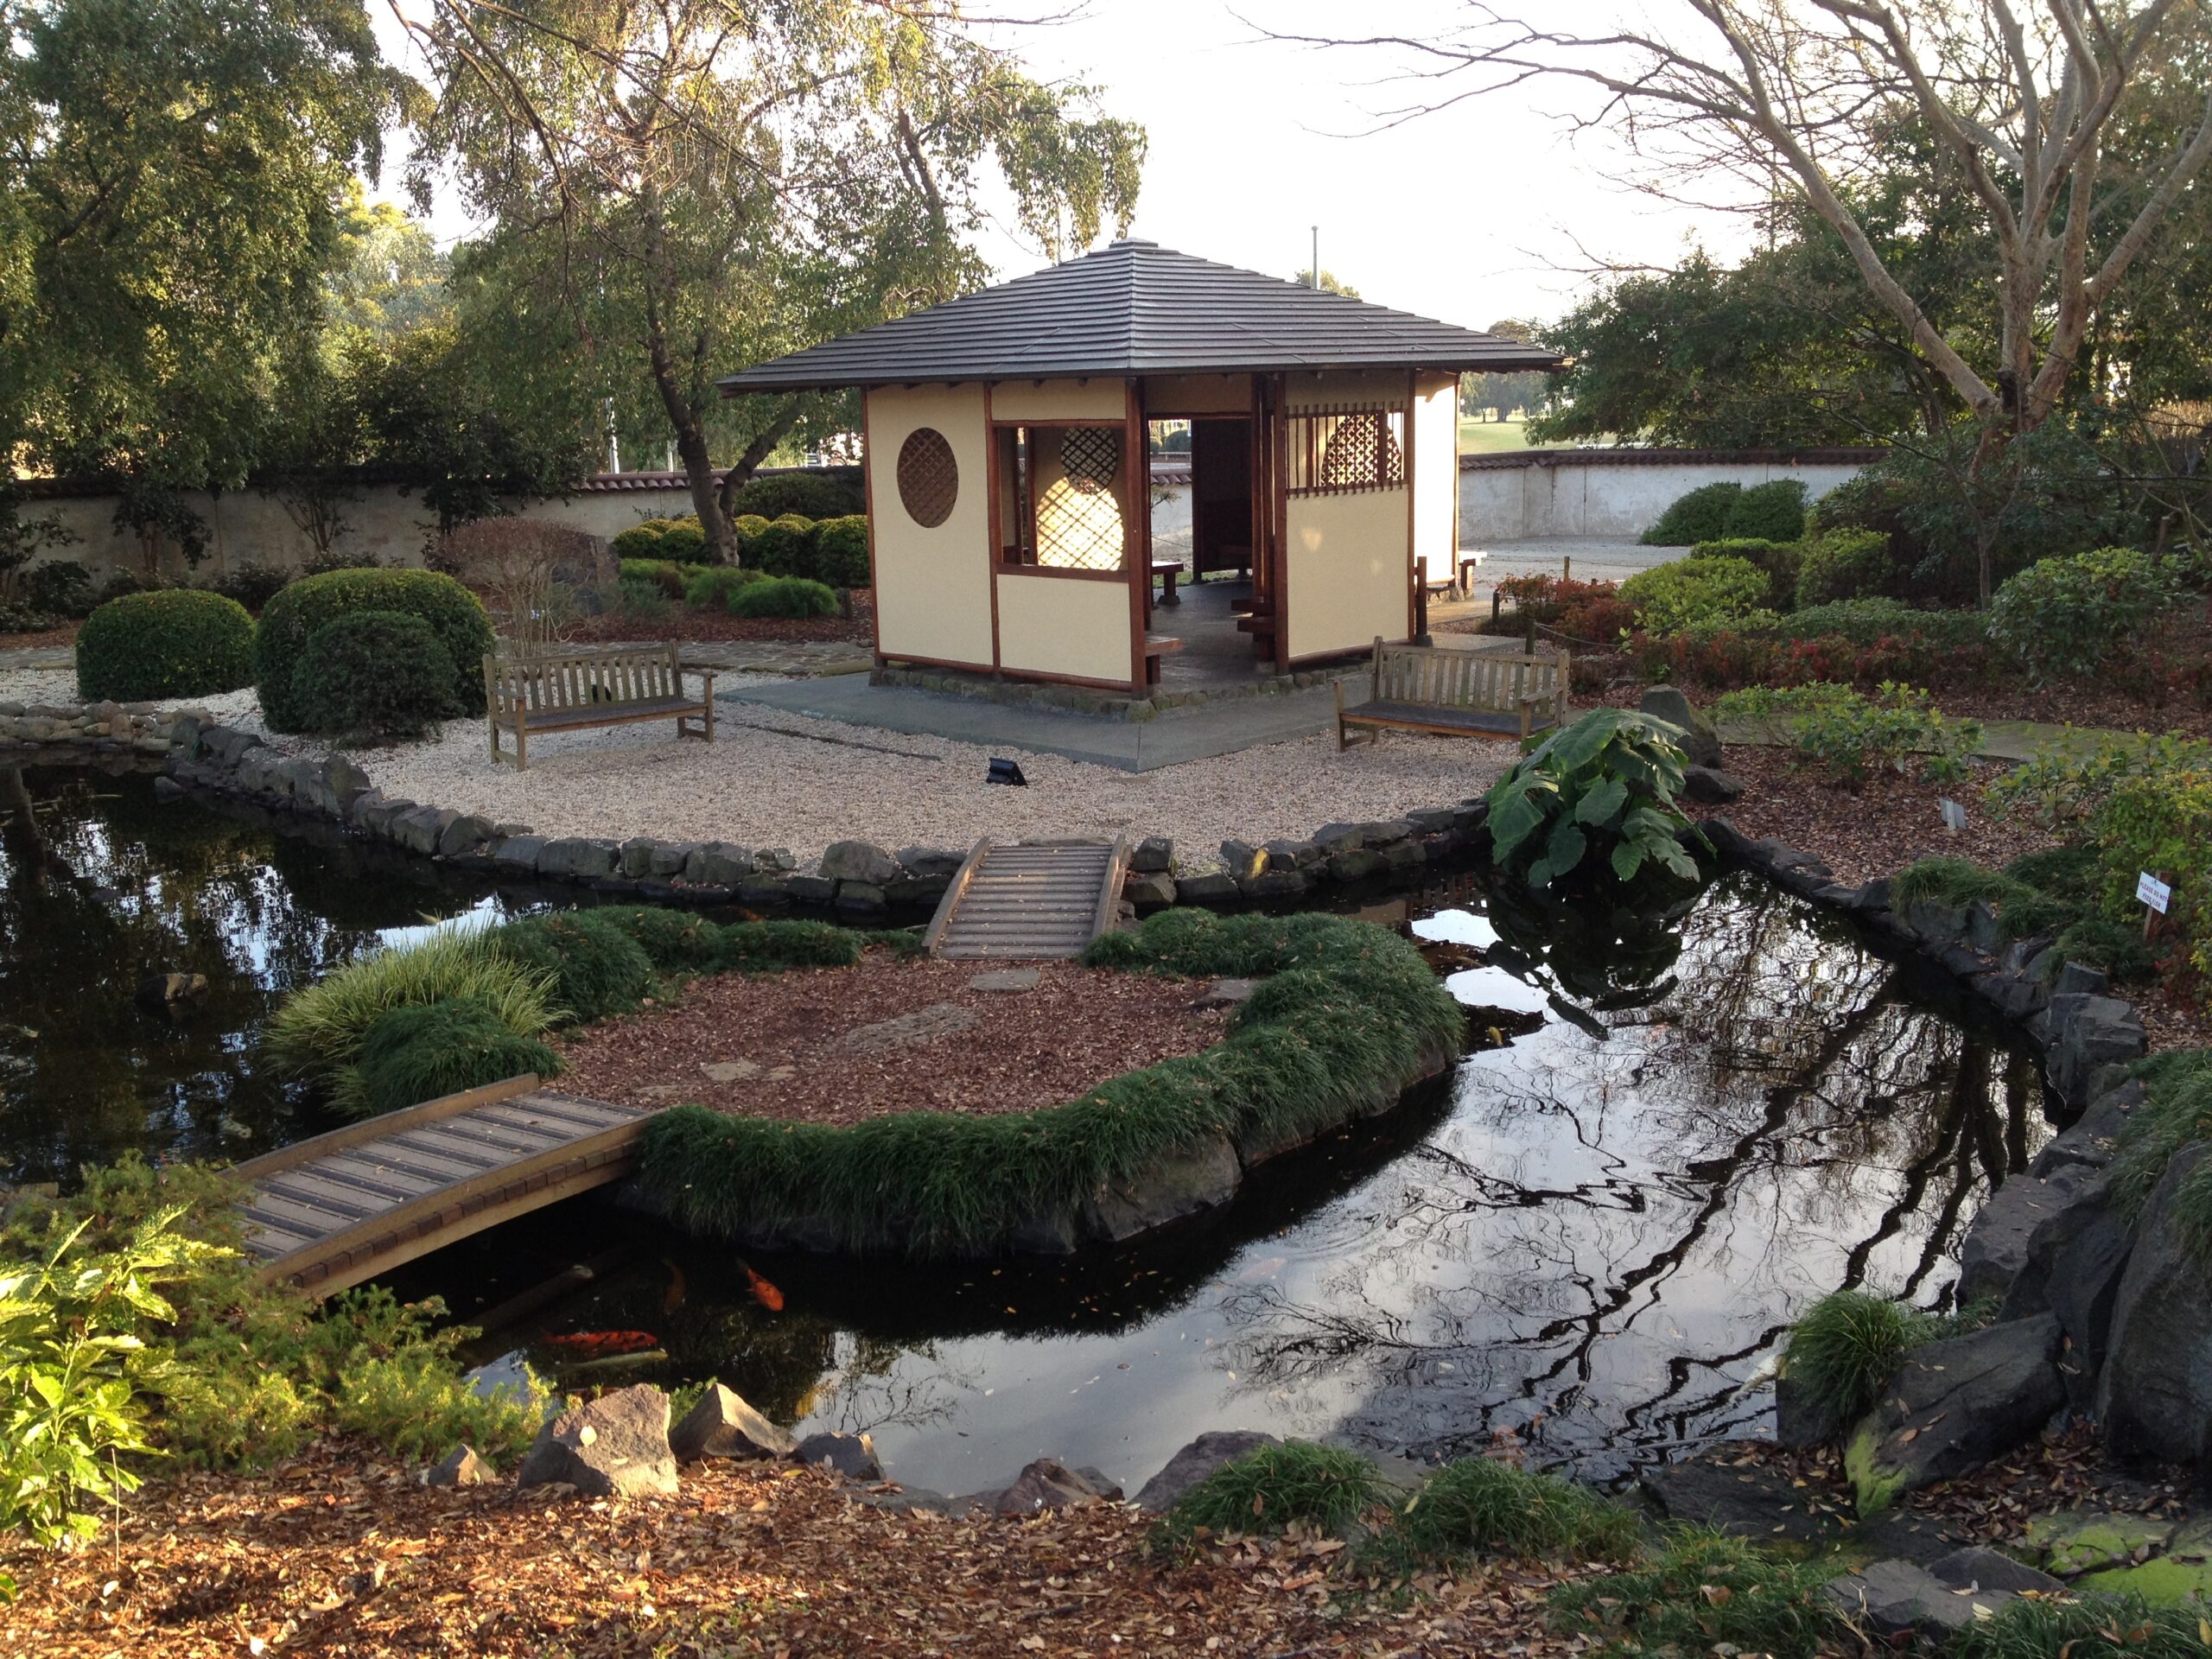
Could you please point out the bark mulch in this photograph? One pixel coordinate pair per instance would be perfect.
(683, 624)
(337, 1554)
(841, 1045)
(64, 635)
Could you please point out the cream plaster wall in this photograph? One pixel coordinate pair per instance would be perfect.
(1346, 571)
(1097, 399)
(932, 586)
(1064, 625)
(1435, 441)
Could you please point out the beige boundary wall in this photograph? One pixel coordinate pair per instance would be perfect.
(1618, 492)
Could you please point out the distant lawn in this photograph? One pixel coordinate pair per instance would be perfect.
(1493, 437)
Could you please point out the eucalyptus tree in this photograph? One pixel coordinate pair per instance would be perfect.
(1742, 102)
(703, 183)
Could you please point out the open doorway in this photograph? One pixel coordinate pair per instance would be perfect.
(1221, 496)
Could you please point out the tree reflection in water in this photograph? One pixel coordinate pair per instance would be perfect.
(1614, 1223)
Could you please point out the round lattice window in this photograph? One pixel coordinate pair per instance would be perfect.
(929, 477)
(1091, 455)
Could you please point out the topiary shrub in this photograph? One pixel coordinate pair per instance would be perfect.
(1699, 516)
(784, 596)
(683, 542)
(427, 1051)
(712, 587)
(748, 525)
(280, 644)
(640, 541)
(1841, 564)
(373, 675)
(841, 552)
(819, 492)
(784, 548)
(665, 576)
(253, 585)
(179, 642)
(2067, 618)
(596, 968)
(1710, 593)
(1773, 511)
(1778, 559)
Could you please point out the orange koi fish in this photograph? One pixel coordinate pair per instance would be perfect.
(763, 1293)
(598, 1345)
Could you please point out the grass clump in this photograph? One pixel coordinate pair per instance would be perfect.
(674, 941)
(2094, 1627)
(1349, 1013)
(792, 597)
(1323, 1487)
(319, 1029)
(771, 947)
(1478, 1506)
(1705, 1592)
(2175, 1112)
(596, 968)
(429, 1050)
(1844, 1349)
(2055, 890)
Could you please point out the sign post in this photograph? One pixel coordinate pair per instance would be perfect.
(2156, 897)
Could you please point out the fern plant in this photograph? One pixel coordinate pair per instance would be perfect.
(1605, 786)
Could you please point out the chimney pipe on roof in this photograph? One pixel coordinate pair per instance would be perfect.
(1314, 271)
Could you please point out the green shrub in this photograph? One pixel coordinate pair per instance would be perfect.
(317, 1029)
(642, 602)
(771, 947)
(1773, 511)
(664, 574)
(415, 1405)
(2067, 784)
(1777, 561)
(1478, 1506)
(748, 525)
(429, 1050)
(596, 969)
(2092, 1626)
(641, 542)
(1705, 1592)
(784, 548)
(712, 587)
(784, 596)
(826, 493)
(1845, 1349)
(1324, 1487)
(59, 586)
(1699, 516)
(674, 941)
(1869, 622)
(252, 584)
(1605, 785)
(2068, 618)
(1850, 735)
(292, 618)
(178, 643)
(1721, 592)
(683, 542)
(373, 674)
(1349, 1011)
(840, 552)
(1843, 565)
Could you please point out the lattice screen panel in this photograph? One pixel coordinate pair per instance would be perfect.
(1078, 515)
(929, 477)
(1344, 450)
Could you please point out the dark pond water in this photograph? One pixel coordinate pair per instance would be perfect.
(1691, 1121)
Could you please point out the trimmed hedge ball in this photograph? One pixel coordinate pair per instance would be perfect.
(280, 644)
(374, 674)
(841, 552)
(784, 596)
(179, 642)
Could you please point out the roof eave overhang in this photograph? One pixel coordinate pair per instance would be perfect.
(767, 379)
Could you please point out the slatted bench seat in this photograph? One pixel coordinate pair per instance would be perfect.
(1458, 693)
(1157, 645)
(607, 685)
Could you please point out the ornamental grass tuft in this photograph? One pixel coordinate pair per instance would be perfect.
(596, 969)
(1844, 1349)
(2093, 1627)
(1705, 1592)
(1478, 1506)
(427, 1051)
(1324, 1487)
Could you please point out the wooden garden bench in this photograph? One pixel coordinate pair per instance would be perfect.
(609, 686)
(1460, 693)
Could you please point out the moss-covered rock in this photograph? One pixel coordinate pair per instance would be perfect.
(2075, 1542)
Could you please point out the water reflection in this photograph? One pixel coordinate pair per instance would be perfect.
(1589, 1244)
(100, 886)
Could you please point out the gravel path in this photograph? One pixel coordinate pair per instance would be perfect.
(774, 779)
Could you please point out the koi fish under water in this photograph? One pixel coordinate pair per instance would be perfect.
(598, 1345)
(763, 1293)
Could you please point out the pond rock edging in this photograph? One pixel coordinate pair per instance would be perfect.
(100, 726)
(861, 882)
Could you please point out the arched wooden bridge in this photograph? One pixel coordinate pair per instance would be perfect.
(343, 1207)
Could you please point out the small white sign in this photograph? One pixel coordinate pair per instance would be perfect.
(1954, 816)
(2149, 890)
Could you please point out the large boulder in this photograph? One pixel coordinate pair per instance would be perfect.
(1894, 1599)
(613, 1447)
(2083, 1032)
(1994, 1252)
(722, 1426)
(2076, 1259)
(1953, 1406)
(1196, 1460)
(851, 1455)
(1179, 1185)
(1700, 738)
(1048, 1484)
(2155, 1393)
(857, 860)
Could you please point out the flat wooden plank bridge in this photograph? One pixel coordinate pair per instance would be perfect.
(1031, 900)
(343, 1207)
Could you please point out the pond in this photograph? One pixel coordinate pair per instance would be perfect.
(1680, 1126)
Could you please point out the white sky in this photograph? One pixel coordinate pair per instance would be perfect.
(1470, 216)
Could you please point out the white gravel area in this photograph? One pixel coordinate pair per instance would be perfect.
(776, 779)
(50, 685)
